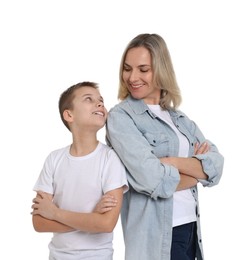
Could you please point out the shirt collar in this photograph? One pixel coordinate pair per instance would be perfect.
(139, 107)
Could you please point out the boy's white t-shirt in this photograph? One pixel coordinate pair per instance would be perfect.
(77, 184)
(184, 208)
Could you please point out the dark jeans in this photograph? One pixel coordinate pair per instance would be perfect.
(184, 242)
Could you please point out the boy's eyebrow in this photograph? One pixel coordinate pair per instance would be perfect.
(89, 94)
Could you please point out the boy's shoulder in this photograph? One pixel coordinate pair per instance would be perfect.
(107, 149)
(59, 152)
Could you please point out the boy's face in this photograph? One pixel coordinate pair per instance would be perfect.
(88, 109)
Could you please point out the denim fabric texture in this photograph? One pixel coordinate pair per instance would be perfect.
(140, 138)
(184, 238)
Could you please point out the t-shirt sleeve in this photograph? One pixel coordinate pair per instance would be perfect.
(45, 180)
(114, 174)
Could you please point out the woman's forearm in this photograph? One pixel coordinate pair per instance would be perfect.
(186, 182)
(188, 166)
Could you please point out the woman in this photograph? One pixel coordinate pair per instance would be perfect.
(165, 155)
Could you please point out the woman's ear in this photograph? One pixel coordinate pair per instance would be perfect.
(67, 115)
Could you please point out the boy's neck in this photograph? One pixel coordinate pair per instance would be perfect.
(83, 147)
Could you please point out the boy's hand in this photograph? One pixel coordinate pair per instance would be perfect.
(43, 205)
(106, 203)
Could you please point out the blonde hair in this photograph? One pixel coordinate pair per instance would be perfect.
(163, 71)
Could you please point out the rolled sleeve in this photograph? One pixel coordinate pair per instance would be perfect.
(212, 164)
(168, 185)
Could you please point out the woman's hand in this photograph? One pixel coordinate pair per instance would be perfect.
(189, 166)
(106, 203)
(201, 148)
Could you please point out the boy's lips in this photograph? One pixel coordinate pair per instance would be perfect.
(100, 113)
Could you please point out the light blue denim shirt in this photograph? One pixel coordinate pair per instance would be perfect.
(140, 138)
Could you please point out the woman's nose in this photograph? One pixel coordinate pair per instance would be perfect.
(134, 75)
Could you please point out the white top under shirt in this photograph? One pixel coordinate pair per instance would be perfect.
(77, 184)
(184, 208)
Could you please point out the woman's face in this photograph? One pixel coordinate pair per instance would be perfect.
(138, 76)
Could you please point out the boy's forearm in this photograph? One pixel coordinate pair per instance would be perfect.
(60, 220)
(42, 224)
(87, 222)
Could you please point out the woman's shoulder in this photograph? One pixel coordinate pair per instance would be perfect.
(178, 114)
(130, 105)
(119, 106)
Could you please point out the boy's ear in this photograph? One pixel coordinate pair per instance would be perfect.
(67, 116)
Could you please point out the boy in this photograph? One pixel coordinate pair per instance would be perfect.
(74, 179)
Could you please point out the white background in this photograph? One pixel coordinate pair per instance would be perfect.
(47, 46)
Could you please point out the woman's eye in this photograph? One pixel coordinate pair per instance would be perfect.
(126, 69)
(144, 70)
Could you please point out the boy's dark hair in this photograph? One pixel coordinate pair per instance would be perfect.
(66, 98)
